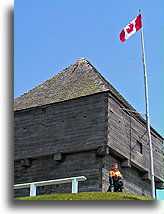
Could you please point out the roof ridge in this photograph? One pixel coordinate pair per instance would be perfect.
(68, 84)
(62, 71)
(63, 86)
(99, 74)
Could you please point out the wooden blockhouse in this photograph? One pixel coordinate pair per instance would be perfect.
(76, 123)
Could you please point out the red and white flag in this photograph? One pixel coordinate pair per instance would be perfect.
(131, 28)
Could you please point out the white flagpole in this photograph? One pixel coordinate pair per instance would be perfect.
(147, 116)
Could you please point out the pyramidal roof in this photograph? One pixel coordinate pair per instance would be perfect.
(77, 80)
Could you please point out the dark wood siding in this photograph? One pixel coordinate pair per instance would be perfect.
(84, 136)
(127, 136)
(45, 168)
(132, 179)
(74, 129)
(67, 126)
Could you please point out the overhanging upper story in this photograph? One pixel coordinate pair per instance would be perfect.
(78, 109)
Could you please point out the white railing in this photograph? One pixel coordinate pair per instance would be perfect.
(34, 185)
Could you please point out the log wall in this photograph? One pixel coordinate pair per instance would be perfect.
(127, 140)
(61, 140)
(83, 137)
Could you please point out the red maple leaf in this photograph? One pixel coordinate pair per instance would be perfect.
(130, 29)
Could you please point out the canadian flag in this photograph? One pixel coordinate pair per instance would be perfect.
(131, 28)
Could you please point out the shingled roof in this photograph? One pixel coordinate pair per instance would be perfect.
(77, 80)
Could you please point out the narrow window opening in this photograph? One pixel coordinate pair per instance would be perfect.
(44, 109)
(139, 147)
(163, 146)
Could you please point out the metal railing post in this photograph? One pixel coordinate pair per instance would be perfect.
(74, 186)
(34, 185)
(32, 190)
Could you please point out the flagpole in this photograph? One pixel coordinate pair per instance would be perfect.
(147, 115)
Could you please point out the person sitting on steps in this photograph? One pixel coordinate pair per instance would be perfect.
(115, 179)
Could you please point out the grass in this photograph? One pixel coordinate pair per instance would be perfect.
(88, 196)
